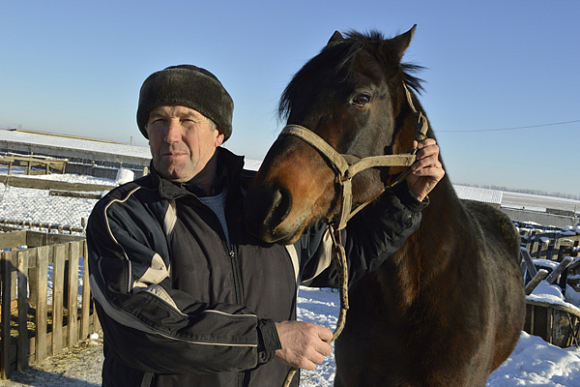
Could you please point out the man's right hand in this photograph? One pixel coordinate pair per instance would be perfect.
(304, 345)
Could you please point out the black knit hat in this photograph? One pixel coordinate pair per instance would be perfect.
(189, 86)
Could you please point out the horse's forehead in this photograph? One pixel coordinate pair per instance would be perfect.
(367, 64)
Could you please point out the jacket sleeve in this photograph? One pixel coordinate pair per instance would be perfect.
(151, 327)
(369, 239)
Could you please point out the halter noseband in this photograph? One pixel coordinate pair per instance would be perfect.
(346, 171)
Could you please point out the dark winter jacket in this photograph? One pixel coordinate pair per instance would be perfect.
(181, 307)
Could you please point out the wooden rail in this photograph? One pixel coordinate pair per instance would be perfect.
(30, 161)
(36, 324)
(30, 182)
(556, 324)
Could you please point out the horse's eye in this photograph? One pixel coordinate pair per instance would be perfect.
(361, 100)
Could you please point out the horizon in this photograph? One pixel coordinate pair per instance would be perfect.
(254, 162)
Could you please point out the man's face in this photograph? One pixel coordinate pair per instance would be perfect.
(182, 141)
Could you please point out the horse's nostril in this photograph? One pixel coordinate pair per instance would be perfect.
(265, 208)
(281, 203)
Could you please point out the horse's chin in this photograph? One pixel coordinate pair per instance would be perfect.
(286, 233)
(290, 239)
(279, 238)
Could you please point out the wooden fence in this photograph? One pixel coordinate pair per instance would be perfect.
(46, 163)
(557, 324)
(34, 323)
(551, 245)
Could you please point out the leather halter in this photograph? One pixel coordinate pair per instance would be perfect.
(345, 171)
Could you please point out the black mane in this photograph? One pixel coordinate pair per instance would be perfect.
(342, 53)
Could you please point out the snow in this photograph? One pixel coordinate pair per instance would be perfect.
(125, 176)
(533, 363)
(537, 363)
(319, 306)
(571, 230)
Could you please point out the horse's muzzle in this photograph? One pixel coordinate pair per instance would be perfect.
(265, 210)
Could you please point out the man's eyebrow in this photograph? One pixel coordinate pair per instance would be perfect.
(193, 114)
(156, 113)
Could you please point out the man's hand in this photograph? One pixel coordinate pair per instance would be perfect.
(304, 345)
(427, 170)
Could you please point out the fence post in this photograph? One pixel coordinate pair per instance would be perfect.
(551, 246)
(41, 305)
(72, 305)
(6, 299)
(23, 342)
(86, 295)
(58, 269)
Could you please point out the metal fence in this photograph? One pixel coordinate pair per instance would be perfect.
(45, 209)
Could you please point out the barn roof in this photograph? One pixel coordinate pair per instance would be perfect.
(485, 195)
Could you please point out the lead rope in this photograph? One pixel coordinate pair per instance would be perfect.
(339, 259)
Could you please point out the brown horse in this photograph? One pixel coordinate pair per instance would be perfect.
(448, 307)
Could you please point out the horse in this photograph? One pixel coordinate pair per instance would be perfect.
(448, 307)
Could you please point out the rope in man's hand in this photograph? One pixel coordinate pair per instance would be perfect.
(339, 258)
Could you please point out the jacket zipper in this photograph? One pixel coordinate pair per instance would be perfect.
(229, 249)
(236, 276)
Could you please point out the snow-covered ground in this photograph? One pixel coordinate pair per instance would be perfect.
(533, 363)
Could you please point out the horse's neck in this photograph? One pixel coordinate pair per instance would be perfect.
(426, 252)
(440, 218)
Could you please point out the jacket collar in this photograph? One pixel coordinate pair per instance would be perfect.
(229, 168)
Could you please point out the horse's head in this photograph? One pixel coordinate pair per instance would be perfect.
(352, 95)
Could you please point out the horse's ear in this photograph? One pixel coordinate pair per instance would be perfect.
(336, 37)
(401, 43)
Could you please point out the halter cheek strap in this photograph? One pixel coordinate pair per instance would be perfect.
(346, 171)
(422, 124)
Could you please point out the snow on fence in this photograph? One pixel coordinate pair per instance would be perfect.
(550, 256)
(549, 243)
(29, 162)
(46, 303)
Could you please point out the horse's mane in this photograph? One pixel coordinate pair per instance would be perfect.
(342, 53)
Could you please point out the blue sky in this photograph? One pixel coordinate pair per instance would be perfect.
(75, 67)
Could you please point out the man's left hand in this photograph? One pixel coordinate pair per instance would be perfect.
(427, 170)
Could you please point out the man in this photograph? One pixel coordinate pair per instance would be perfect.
(185, 296)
